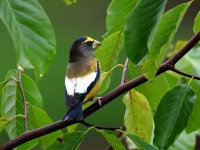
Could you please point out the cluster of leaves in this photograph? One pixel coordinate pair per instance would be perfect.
(145, 31)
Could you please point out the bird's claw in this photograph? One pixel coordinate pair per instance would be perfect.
(98, 99)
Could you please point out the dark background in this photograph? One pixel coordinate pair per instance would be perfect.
(86, 17)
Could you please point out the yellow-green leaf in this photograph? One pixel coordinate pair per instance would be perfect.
(138, 118)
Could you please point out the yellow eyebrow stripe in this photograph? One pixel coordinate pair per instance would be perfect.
(88, 40)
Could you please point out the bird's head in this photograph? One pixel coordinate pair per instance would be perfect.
(83, 47)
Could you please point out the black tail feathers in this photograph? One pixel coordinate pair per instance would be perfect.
(75, 112)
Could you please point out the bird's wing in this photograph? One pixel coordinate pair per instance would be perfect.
(79, 84)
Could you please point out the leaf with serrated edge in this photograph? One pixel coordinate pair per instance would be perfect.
(172, 115)
(138, 118)
(32, 33)
(39, 118)
(167, 28)
(141, 28)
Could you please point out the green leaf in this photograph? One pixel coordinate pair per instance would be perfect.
(105, 79)
(2, 84)
(5, 121)
(69, 2)
(190, 62)
(73, 127)
(141, 27)
(167, 28)
(184, 142)
(38, 118)
(12, 104)
(117, 14)
(194, 121)
(69, 141)
(172, 115)
(112, 139)
(138, 118)
(196, 27)
(32, 33)
(140, 143)
(109, 50)
(155, 89)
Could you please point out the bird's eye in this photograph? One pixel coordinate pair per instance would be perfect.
(89, 42)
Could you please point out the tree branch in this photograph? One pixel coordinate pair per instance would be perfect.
(121, 89)
(184, 74)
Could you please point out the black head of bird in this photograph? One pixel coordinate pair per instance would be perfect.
(83, 47)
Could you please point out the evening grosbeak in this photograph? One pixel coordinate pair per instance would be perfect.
(82, 76)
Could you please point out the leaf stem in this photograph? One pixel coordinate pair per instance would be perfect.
(124, 71)
(121, 89)
(20, 71)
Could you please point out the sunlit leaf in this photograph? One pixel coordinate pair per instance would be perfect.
(117, 14)
(105, 79)
(109, 50)
(141, 28)
(196, 27)
(112, 140)
(167, 28)
(184, 142)
(138, 118)
(194, 121)
(69, 2)
(5, 121)
(31, 32)
(38, 118)
(190, 62)
(172, 115)
(72, 128)
(2, 84)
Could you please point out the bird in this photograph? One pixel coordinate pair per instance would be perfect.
(82, 76)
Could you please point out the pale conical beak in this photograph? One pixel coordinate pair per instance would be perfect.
(96, 44)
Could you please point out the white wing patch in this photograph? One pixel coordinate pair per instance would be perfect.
(80, 84)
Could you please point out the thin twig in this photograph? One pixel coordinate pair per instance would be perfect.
(104, 100)
(184, 74)
(98, 127)
(124, 71)
(20, 71)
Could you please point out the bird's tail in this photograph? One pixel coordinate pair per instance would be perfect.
(75, 112)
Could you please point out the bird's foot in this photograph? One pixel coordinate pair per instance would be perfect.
(98, 99)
